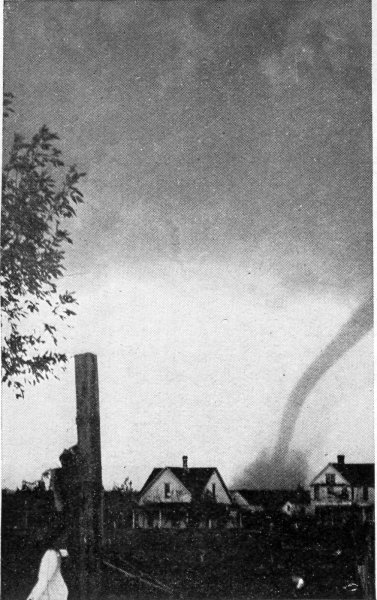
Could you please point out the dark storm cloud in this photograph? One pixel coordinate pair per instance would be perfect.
(213, 129)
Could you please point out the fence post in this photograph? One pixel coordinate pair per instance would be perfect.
(90, 476)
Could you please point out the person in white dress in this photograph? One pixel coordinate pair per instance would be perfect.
(50, 584)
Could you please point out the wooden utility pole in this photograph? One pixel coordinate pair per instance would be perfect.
(90, 476)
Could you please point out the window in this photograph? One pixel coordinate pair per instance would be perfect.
(214, 490)
(330, 478)
(167, 490)
(316, 492)
(365, 492)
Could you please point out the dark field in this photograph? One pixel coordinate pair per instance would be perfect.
(221, 564)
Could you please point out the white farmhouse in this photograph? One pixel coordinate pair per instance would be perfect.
(343, 484)
(174, 496)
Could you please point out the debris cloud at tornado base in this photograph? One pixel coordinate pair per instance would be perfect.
(281, 468)
(265, 473)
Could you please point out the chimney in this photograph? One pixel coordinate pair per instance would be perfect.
(184, 463)
(340, 459)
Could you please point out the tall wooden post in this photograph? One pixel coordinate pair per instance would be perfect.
(90, 476)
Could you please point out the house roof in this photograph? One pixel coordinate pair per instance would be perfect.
(272, 499)
(357, 474)
(194, 479)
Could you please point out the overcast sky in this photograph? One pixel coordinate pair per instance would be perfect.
(226, 233)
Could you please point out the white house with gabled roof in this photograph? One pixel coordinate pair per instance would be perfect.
(343, 484)
(171, 496)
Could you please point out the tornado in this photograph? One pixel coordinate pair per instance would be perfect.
(360, 322)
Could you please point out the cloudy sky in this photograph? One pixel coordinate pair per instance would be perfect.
(226, 233)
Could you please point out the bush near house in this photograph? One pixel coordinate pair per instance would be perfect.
(23, 509)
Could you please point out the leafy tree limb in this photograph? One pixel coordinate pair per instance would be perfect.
(38, 194)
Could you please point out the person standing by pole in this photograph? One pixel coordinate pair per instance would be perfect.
(50, 584)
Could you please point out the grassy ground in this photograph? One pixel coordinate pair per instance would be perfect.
(242, 564)
(196, 564)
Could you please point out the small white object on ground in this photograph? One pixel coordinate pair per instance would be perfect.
(298, 581)
(351, 587)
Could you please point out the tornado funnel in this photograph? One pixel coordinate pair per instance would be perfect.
(360, 322)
